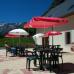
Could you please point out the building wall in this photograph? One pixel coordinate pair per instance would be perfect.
(72, 36)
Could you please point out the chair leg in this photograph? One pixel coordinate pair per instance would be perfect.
(28, 64)
(62, 63)
(35, 62)
(6, 53)
(50, 65)
(58, 64)
(62, 60)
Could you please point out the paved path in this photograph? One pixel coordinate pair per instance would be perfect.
(17, 65)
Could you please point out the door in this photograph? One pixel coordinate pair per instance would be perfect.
(45, 41)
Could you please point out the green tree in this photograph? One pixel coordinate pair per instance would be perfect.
(31, 31)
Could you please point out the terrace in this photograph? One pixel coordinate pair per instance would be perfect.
(17, 65)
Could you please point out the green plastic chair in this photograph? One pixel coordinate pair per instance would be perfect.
(33, 57)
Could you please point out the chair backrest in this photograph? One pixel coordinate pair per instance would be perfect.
(58, 46)
(8, 49)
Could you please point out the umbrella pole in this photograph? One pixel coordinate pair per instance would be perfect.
(52, 40)
(52, 36)
(19, 41)
(13, 41)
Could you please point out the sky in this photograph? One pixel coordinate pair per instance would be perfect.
(14, 11)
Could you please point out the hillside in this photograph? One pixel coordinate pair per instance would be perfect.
(6, 27)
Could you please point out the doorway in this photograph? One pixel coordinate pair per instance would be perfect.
(45, 41)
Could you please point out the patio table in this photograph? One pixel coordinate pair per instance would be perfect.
(44, 54)
(20, 50)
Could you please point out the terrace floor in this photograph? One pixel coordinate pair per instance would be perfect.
(17, 65)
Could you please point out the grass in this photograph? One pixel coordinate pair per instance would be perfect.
(15, 41)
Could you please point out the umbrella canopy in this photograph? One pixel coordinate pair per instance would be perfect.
(38, 24)
(11, 36)
(51, 19)
(45, 22)
(52, 33)
(18, 32)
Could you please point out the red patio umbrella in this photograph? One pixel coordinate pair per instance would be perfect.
(52, 33)
(52, 19)
(38, 24)
(45, 22)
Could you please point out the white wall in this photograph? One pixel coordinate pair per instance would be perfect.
(57, 39)
(72, 36)
(60, 40)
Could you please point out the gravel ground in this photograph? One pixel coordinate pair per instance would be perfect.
(17, 65)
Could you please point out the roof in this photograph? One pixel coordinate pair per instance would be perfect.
(63, 9)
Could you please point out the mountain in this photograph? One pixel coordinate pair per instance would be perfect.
(6, 27)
